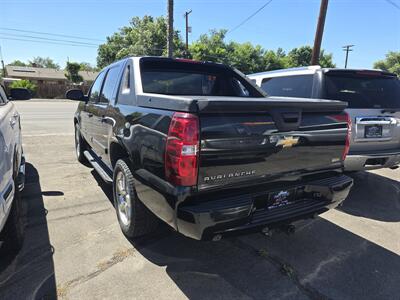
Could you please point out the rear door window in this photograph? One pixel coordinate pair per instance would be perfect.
(361, 91)
(289, 86)
(109, 91)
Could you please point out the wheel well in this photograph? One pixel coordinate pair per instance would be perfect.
(117, 152)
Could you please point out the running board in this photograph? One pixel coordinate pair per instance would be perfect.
(95, 162)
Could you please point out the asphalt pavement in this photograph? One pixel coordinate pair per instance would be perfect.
(74, 248)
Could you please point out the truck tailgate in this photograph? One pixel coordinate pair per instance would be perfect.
(270, 142)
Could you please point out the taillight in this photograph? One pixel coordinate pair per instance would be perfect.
(348, 137)
(345, 118)
(181, 153)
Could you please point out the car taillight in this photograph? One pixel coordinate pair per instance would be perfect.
(345, 118)
(348, 137)
(181, 153)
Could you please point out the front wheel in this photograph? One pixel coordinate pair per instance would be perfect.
(134, 218)
(13, 232)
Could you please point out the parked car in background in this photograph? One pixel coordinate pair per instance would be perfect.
(198, 146)
(373, 98)
(12, 171)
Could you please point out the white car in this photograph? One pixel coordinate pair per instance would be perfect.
(12, 171)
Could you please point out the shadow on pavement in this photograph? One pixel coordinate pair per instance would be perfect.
(320, 261)
(373, 196)
(30, 273)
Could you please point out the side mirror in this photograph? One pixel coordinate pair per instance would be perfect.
(20, 94)
(75, 94)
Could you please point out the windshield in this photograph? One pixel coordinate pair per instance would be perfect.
(193, 79)
(364, 91)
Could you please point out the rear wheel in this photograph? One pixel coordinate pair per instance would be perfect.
(80, 145)
(134, 218)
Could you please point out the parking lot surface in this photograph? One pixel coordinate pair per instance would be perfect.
(74, 248)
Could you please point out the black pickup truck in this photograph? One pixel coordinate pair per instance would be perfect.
(199, 146)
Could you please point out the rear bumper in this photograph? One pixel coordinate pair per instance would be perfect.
(231, 215)
(371, 161)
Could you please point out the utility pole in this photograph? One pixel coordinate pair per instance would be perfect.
(319, 32)
(188, 29)
(347, 48)
(2, 63)
(170, 28)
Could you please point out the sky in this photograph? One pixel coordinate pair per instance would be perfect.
(373, 26)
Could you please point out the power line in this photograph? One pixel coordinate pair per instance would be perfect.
(45, 42)
(249, 17)
(52, 34)
(47, 39)
(393, 3)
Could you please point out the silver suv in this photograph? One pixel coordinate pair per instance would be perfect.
(373, 98)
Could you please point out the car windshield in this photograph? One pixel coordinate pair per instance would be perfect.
(193, 79)
(364, 91)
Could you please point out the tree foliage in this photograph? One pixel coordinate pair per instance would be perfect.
(391, 63)
(249, 58)
(43, 62)
(18, 63)
(148, 36)
(72, 72)
(26, 84)
(85, 66)
(38, 62)
(300, 57)
(143, 36)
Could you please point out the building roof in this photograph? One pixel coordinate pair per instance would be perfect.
(44, 73)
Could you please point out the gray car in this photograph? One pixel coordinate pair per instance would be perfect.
(373, 98)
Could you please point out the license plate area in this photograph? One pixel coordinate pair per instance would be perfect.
(284, 197)
(373, 131)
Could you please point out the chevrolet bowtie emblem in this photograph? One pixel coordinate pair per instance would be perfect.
(287, 141)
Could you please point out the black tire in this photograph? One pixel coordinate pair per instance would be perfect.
(13, 231)
(80, 145)
(141, 221)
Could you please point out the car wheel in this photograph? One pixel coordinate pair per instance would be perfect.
(13, 232)
(80, 145)
(134, 218)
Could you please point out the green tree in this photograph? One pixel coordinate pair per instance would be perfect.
(85, 66)
(391, 63)
(43, 62)
(26, 84)
(247, 58)
(299, 57)
(17, 63)
(275, 60)
(212, 47)
(72, 72)
(143, 36)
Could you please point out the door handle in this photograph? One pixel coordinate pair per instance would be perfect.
(108, 120)
(15, 115)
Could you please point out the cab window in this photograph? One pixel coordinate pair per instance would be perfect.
(289, 86)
